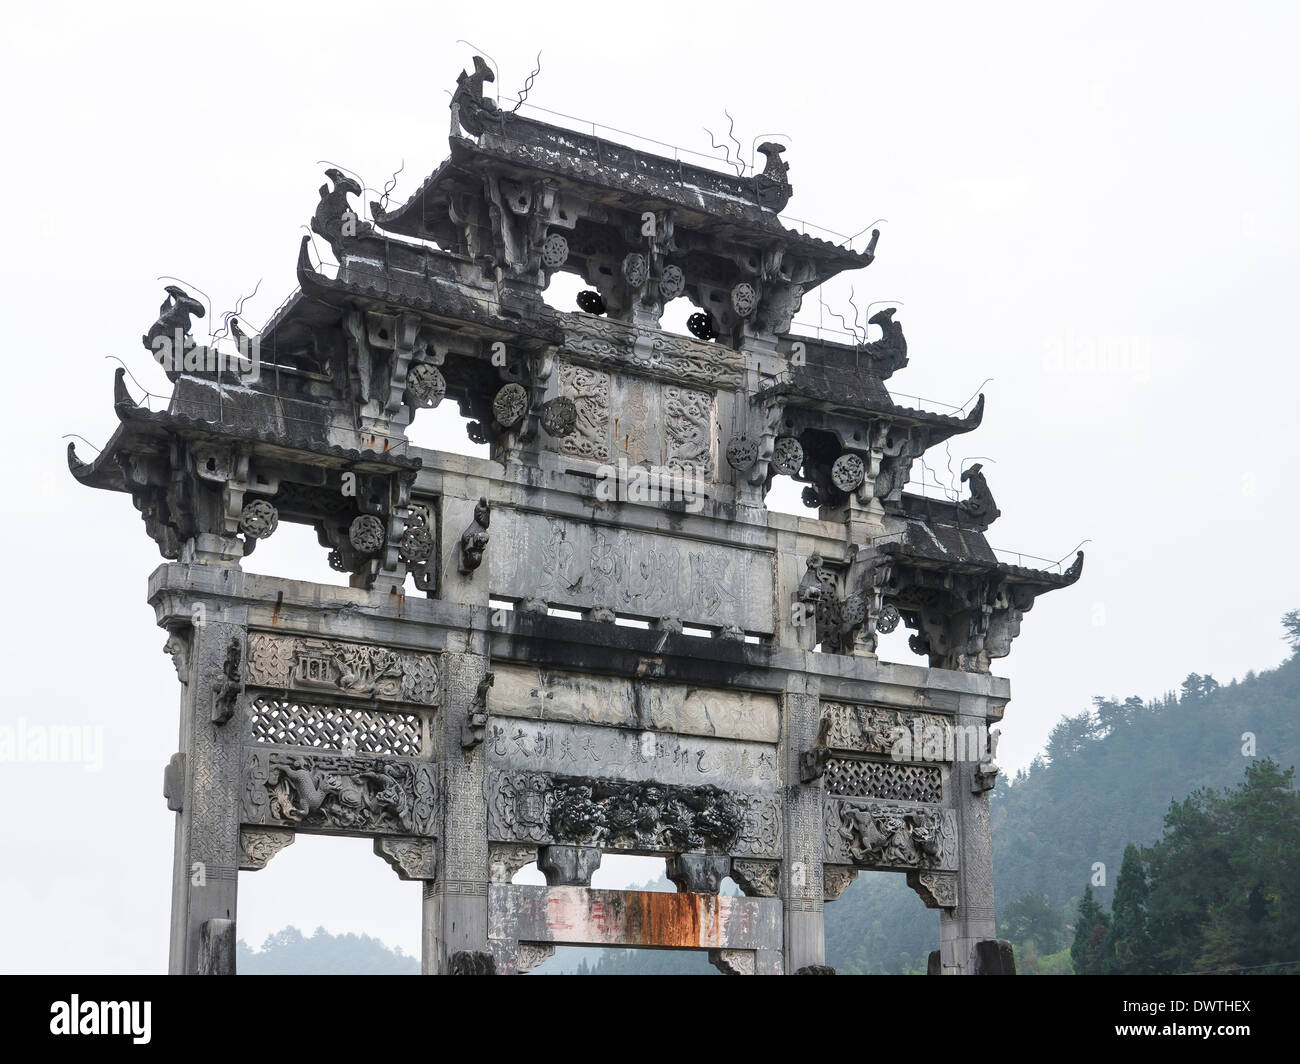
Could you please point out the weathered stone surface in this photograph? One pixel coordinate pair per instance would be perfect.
(725, 714)
(581, 916)
(539, 693)
(548, 694)
(576, 749)
(217, 947)
(581, 565)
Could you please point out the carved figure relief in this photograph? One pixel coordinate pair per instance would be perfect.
(294, 663)
(618, 814)
(366, 795)
(474, 540)
(687, 430)
(875, 835)
(589, 390)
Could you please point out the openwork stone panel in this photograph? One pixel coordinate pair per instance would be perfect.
(288, 722)
(883, 779)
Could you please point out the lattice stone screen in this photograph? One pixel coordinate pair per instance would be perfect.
(288, 722)
(876, 779)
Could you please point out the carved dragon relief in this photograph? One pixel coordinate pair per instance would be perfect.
(351, 795)
(887, 836)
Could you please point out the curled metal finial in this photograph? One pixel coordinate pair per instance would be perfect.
(738, 163)
(238, 312)
(528, 86)
(1073, 550)
(976, 392)
(126, 369)
(75, 436)
(848, 240)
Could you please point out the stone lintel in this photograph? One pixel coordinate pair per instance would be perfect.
(582, 916)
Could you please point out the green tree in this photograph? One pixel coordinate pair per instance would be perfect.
(1128, 943)
(1225, 877)
(1032, 919)
(1291, 625)
(1091, 925)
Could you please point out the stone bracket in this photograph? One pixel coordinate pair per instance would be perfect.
(698, 873)
(174, 783)
(258, 845)
(409, 857)
(937, 889)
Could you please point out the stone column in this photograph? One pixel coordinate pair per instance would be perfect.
(455, 902)
(801, 871)
(206, 864)
(972, 921)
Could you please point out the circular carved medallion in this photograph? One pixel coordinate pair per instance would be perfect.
(700, 325)
(888, 619)
(366, 533)
(672, 283)
(416, 545)
(854, 611)
(744, 299)
(555, 251)
(258, 519)
(742, 453)
(559, 417)
(425, 385)
(590, 301)
(509, 405)
(635, 269)
(847, 472)
(787, 455)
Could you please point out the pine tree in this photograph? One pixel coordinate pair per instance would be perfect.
(1128, 942)
(1091, 926)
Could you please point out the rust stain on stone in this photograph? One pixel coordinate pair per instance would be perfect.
(660, 919)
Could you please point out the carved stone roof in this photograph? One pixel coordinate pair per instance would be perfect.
(243, 415)
(434, 294)
(706, 199)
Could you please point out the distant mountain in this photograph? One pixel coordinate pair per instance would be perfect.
(290, 952)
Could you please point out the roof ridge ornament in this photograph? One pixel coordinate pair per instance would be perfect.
(773, 184)
(468, 104)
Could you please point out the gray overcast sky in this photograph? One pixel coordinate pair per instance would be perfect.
(1092, 205)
